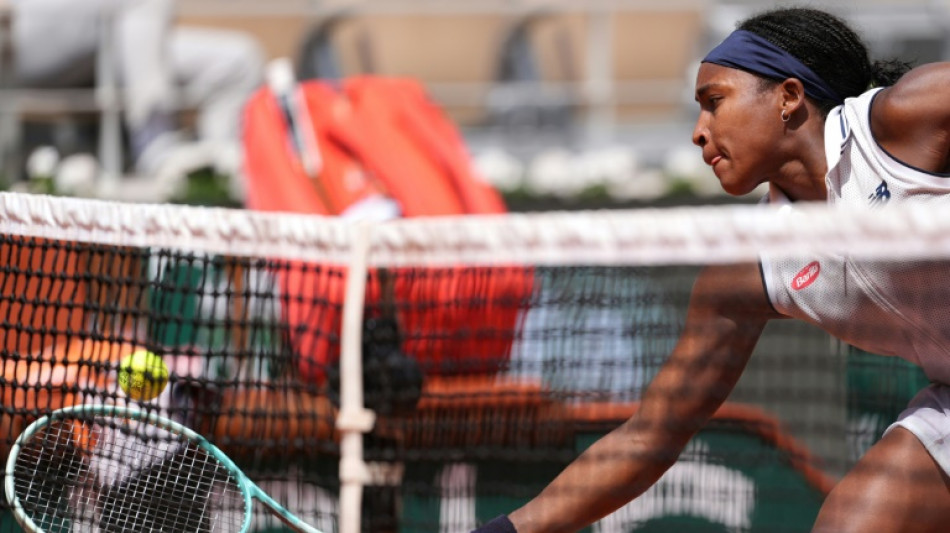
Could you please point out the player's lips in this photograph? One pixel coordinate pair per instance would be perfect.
(711, 156)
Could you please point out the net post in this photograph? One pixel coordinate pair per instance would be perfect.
(107, 96)
(353, 419)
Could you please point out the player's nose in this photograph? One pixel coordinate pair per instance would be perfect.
(700, 132)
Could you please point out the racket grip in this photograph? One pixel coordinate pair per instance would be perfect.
(283, 84)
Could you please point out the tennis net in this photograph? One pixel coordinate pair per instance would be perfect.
(429, 374)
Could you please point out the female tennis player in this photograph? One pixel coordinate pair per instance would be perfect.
(790, 98)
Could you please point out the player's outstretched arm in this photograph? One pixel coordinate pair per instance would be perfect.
(727, 312)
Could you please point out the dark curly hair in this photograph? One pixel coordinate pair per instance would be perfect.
(828, 46)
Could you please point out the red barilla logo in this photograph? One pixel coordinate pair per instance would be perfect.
(806, 276)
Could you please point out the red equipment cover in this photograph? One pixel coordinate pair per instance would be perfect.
(384, 136)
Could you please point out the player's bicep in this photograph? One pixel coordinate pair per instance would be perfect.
(734, 291)
(727, 312)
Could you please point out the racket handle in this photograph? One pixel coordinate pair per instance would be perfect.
(283, 84)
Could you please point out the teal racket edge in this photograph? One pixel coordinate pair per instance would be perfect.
(122, 469)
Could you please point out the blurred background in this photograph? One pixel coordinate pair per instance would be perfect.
(561, 104)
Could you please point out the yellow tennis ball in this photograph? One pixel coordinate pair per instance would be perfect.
(143, 375)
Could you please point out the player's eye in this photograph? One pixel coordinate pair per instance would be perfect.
(709, 103)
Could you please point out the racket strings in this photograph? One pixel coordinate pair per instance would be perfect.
(114, 476)
(45, 470)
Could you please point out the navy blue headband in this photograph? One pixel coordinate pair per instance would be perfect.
(748, 51)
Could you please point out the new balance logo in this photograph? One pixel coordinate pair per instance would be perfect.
(880, 195)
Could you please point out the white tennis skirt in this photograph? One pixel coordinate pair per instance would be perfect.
(928, 417)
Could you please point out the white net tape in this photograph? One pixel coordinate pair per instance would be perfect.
(682, 235)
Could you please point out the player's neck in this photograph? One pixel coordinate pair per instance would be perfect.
(802, 177)
(802, 184)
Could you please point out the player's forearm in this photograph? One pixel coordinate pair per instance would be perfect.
(622, 465)
(698, 377)
(613, 471)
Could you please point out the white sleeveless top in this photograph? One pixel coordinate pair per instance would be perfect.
(897, 308)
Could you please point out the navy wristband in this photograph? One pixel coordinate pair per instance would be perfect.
(499, 524)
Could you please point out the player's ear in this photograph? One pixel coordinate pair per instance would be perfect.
(793, 95)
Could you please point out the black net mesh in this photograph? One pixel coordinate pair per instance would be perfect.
(487, 378)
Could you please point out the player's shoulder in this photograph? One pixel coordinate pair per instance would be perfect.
(911, 119)
(922, 95)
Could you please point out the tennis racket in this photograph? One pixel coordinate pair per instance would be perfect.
(119, 469)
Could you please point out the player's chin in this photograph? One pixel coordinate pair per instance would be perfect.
(734, 186)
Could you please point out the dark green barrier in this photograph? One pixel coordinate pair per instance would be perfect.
(732, 477)
(878, 390)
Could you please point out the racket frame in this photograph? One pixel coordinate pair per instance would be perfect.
(249, 489)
